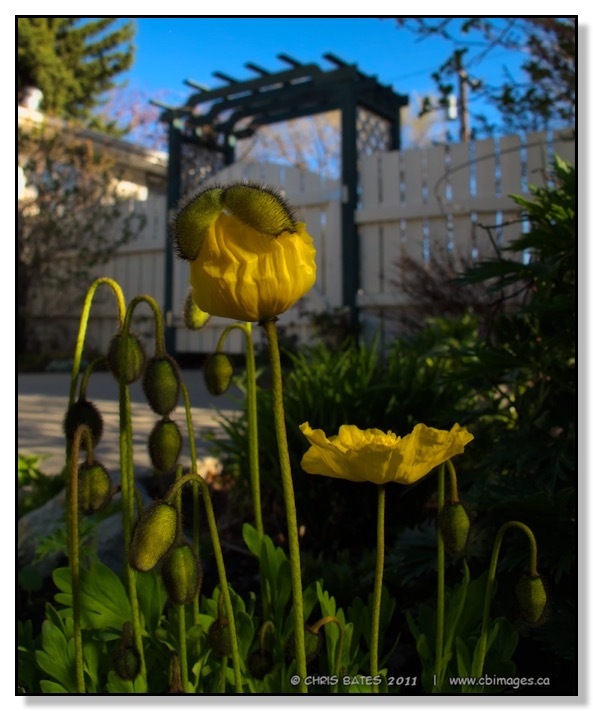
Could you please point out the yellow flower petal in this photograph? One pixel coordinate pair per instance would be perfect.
(379, 457)
(246, 275)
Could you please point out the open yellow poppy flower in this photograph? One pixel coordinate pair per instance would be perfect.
(379, 457)
(247, 275)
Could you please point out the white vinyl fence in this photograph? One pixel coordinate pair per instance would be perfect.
(415, 202)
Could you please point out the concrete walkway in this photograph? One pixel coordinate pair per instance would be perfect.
(43, 398)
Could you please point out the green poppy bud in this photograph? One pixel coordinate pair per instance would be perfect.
(219, 637)
(182, 574)
(193, 316)
(454, 524)
(260, 663)
(164, 445)
(135, 357)
(162, 384)
(192, 221)
(532, 598)
(218, 373)
(313, 645)
(261, 208)
(154, 534)
(126, 662)
(94, 487)
(126, 659)
(83, 412)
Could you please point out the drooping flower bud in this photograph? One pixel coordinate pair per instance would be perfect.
(259, 207)
(454, 524)
(162, 384)
(193, 316)
(260, 663)
(532, 598)
(164, 445)
(94, 487)
(135, 357)
(83, 412)
(219, 637)
(182, 574)
(126, 658)
(153, 536)
(313, 645)
(218, 373)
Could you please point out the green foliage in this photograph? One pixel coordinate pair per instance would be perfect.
(74, 61)
(35, 487)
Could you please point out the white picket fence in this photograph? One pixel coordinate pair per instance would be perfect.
(413, 202)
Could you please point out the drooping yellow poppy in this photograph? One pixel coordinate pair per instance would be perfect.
(244, 274)
(379, 457)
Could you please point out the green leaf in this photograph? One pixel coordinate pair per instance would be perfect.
(103, 599)
(116, 685)
(152, 597)
(56, 656)
(51, 687)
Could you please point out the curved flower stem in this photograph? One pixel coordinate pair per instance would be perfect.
(376, 612)
(483, 639)
(217, 549)
(340, 647)
(73, 548)
(84, 381)
(289, 501)
(440, 618)
(454, 494)
(84, 317)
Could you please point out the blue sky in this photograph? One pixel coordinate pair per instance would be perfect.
(170, 50)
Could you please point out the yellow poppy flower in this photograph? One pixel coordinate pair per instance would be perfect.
(244, 274)
(379, 457)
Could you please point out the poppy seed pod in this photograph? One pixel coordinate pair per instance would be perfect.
(182, 574)
(164, 445)
(94, 487)
(532, 598)
(83, 412)
(162, 384)
(135, 357)
(219, 637)
(454, 524)
(218, 373)
(261, 208)
(153, 536)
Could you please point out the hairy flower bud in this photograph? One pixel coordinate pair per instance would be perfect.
(126, 658)
(218, 373)
(532, 598)
(132, 350)
(454, 524)
(83, 412)
(313, 645)
(261, 208)
(219, 637)
(162, 384)
(153, 536)
(164, 445)
(182, 574)
(193, 316)
(94, 487)
(192, 221)
(260, 663)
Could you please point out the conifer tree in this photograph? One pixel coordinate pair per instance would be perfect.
(73, 61)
